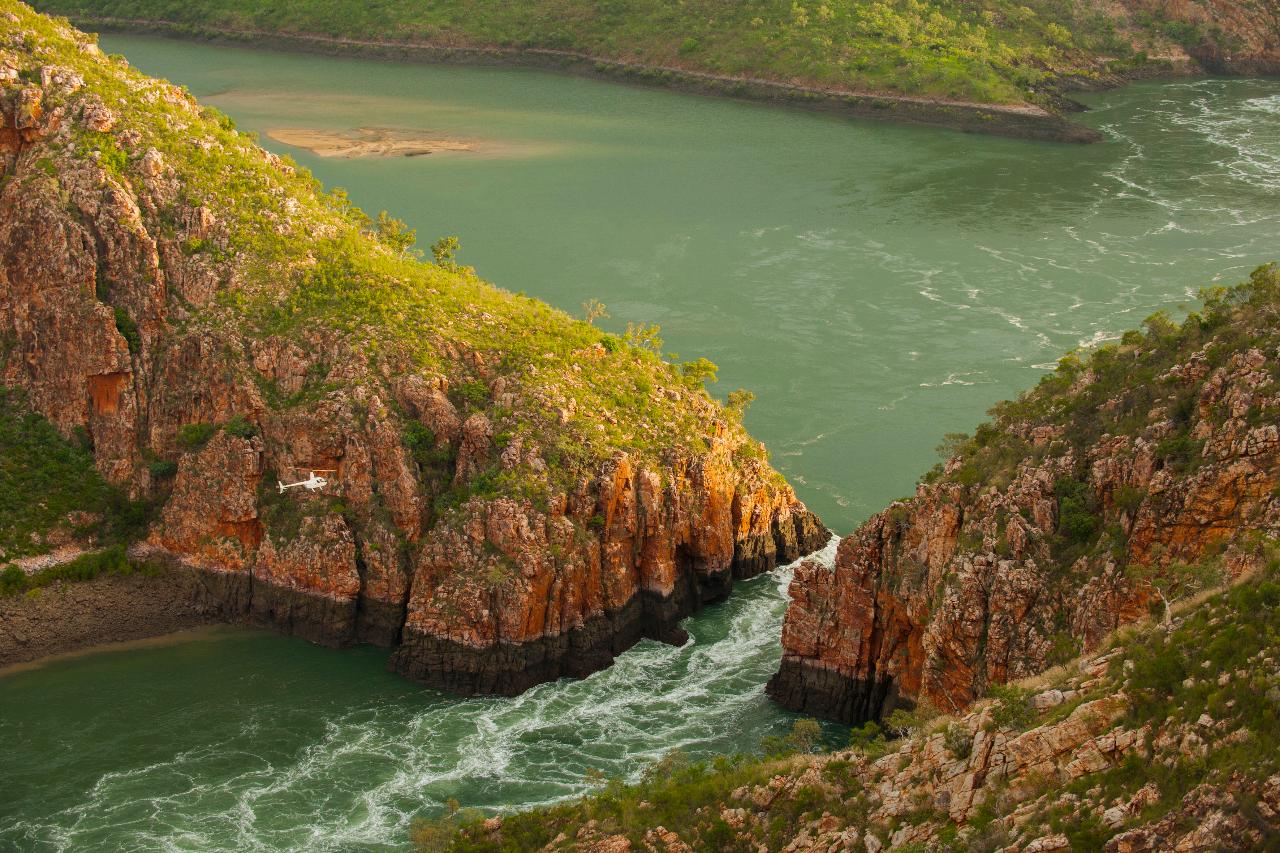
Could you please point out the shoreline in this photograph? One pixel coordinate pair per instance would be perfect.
(1017, 121)
(197, 634)
(71, 618)
(111, 611)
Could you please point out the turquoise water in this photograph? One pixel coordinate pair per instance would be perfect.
(876, 286)
(241, 740)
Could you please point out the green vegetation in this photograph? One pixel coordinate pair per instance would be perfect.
(987, 51)
(296, 261)
(240, 427)
(1125, 389)
(195, 436)
(1218, 660)
(1176, 582)
(1011, 710)
(697, 373)
(670, 793)
(109, 561)
(128, 330)
(49, 487)
(1135, 371)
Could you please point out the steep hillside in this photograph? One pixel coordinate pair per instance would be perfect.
(929, 60)
(511, 496)
(1080, 507)
(1168, 741)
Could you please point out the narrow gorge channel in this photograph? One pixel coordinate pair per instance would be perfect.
(876, 286)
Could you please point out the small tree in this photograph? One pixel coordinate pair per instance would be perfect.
(667, 766)
(698, 372)
(395, 233)
(953, 444)
(342, 203)
(1176, 582)
(444, 251)
(902, 722)
(805, 735)
(592, 310)
(738, 402)
(906, 723)
(645, 337)
(868, 739)
(444, 832)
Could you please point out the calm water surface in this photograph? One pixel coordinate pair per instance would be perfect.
(876, 286)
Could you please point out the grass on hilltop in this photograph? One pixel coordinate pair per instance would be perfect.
(993, 51)
(296, 260)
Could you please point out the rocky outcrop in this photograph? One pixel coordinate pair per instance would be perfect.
(1228, 37)
(1165, 742)
(961, 775)
(660, 552)
(1075, 512)
(495, 507)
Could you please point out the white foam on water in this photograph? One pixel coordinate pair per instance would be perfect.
(624, 703)
(959, 378)
(1150, 214)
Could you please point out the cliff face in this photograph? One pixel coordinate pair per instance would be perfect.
(1167, 741)
(1080, 507)
(1225, 37)
(512, 495)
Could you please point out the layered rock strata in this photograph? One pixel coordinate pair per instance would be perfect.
(1074, 512)
(1165, 742)
(511, 496)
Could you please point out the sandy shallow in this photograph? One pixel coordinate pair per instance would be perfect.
(369, 142)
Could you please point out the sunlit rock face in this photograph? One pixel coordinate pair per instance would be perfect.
(215, 328)
(1070, 515)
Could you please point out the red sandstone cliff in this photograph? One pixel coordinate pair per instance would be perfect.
(1056, 524)
(1222, 37)
(454, 527)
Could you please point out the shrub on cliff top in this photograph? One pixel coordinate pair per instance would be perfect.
(109, 561)
(196, 435)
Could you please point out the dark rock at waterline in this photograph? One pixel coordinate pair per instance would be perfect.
(809, 689)
(123, 338)
(68, 617)
(511, 668)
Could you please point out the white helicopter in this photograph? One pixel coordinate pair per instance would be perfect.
(313, 483)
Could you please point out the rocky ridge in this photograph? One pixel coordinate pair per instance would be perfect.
(1167, 741)
(512, 495)
(1080, 507)
(1227, 37)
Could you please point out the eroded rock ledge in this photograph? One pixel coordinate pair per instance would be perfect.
(567, 605)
